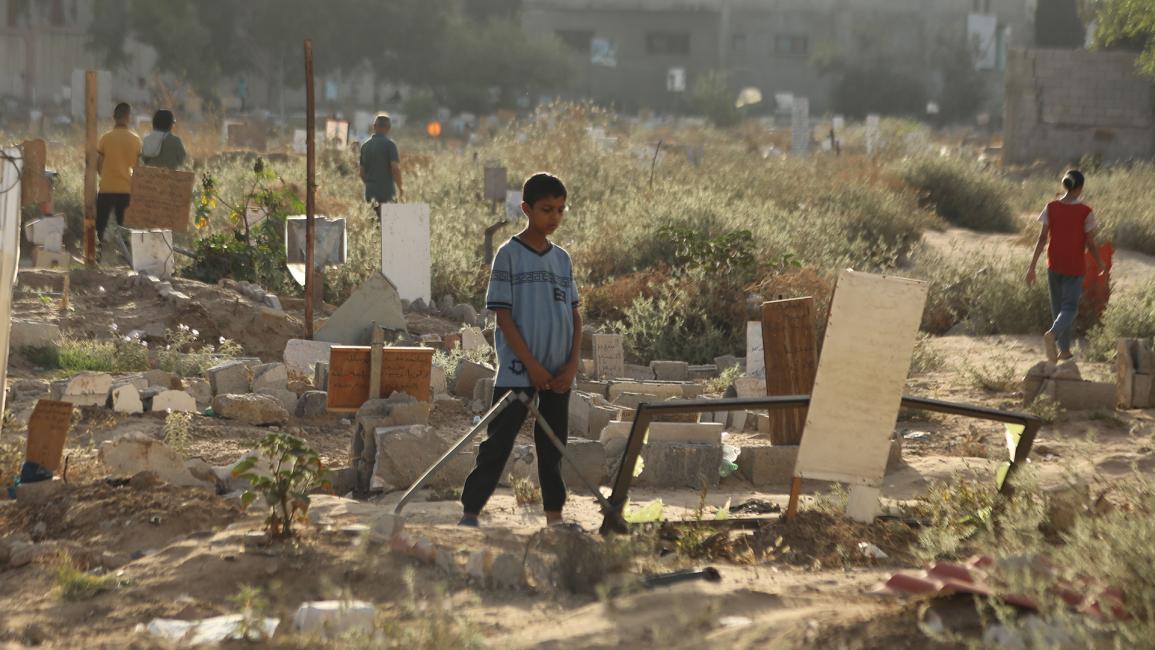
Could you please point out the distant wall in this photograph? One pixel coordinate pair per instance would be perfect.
(1062, 105)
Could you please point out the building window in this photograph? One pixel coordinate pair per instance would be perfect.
(577, 40)
(790, 45)
(668, 43)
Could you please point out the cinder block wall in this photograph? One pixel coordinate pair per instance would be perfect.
(1062, 105)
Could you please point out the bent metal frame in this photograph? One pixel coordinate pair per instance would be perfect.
(1018, 444)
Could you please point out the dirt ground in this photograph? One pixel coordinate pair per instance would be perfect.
(184, 553)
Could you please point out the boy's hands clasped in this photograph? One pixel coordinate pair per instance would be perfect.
(559, 383)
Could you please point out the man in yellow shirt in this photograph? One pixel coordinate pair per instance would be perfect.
(116, 156)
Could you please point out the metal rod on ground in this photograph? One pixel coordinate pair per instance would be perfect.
(500, 406)
(607, 510)
(90, 167)
(310, 185)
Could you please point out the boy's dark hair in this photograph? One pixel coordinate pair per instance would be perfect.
(162, 120)
(121, 111)
(1073, 179)
(542, 185)
(383, 121)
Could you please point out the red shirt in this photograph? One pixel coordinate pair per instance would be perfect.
(1068, 241)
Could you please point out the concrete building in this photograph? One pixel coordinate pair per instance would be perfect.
(647, 53)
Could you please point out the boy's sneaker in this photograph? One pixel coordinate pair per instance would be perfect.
(469, 522)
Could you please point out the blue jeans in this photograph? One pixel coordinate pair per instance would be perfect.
(1065, 293)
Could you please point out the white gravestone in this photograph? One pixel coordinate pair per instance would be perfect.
(10, 166)
(152, 252)
(405, 255)
(755, 358)
(609, 356)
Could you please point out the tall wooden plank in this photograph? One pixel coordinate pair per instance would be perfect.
(790, 352)
(858, 388)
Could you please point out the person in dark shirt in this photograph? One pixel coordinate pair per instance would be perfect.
(381, 165)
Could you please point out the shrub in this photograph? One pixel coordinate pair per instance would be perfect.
(1129, 315)
(183, 356)
(101, 355)
(296, 471)
(72, 583)
(960, 192)
(984, 295)
(712, 97)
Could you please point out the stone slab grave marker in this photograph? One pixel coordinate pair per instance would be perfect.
(609, 356)
(161, 198)
(405, 255)
(755, 359)
(790, 359)
(375, 301)
(496, 182)
(47, 429)
(873, 134)
(870, 337)
(405, 370)
(330, 244)
(10, 170)
(152, 252)
(800, 127)
(34, 186)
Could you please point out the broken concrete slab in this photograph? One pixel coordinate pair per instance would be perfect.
(680, 465)
(590, 457)
(40, 493)
(636, 372)
(467, 375)
(312, 404)
(162, 378)
(396, 410)
(229, 378)
(692, 391)
(251, 409)
(662, 391)
(137, 452)
(1075, 395)
(600, 388)
(483, 391)
(405, 452)
(437, 382)
(750, 387)
(600, 417)
(200, 390)
(702, 372)
(302, 354)
(173, 400)
(670, 370)
(286, 397)
(633, 400)
(767, 465)
(84, 389)
(1067, 370)
(270, 376)
(709, 433)
(332, 619)
(33, 334)
(579, 413)
(375, 301)
(1141, 388)
(126, 399)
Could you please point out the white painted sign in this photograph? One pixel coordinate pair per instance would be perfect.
(405, 254)
(755, 354)
(800, 127)
(870, 337)
(10, 166)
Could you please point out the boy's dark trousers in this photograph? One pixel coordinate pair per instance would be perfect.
(106, 204)
(494, 451)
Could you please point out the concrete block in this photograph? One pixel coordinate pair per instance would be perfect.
(1083, 395)
(680, 465)
(133, 453)
(748, 387)
(579, 413)
(174, 400)
(707, 433)
(251, 409)
(43, 258)
(126, 399)
(661, 391)
(670, 370)
(270, 376)
(437, 381)
(601, 417)
(312, 404)
(633, 400)
(404, 453)
(1141, 386)
(303, 355)
(286, 397)
(332, 619)
(33, 334)
(640, 373)
(162, 378)
(229, 378)
(84, 389)
(590, 457)
(201, 391)
(467, 375)
(483, 391)
(601, 388)
(767, 465)
(375, 301)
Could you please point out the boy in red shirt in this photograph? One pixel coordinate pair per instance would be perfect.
(1068, 230)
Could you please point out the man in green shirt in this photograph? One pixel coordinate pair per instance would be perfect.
(381, 165)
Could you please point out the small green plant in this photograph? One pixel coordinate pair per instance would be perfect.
(296, 471)
(1128, 315)
(997, 377)
(73, 584)
(1046, 409)
(525, 492)
(253, 605)
(925, 358)
(724, 379)
(183, 355)
(958, 510)
(178, 431)
(120, 354)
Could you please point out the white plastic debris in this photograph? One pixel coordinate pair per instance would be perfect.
(212, 630)
(871, 551)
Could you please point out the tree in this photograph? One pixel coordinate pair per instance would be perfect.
(1128, 24)
(1058, 24)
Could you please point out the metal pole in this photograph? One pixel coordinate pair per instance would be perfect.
(90, 167)
(500, 406)
(310, 185)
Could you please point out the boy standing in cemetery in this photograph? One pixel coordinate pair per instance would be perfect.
(116, 156)
(538, 341)
(381, 165)
(1068, 229)
(161, 148)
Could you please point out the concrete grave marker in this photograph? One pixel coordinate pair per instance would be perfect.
(46, 232)
(161, 198)
(496, 182)
(47, 429)
(330, 244)
(34, 186)
(10, 171)
(303, 355)
(800, 127)
(870, 337)
(609, 356)
(755, 358)
(405, 370)
(405, 255)
(375, 301)
(873, 134)
(152, 252)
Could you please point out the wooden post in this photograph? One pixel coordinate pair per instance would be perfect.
(790, 349)
(65, 290)
(377, 343)
(90, 118)
(310, 185)
(795, 493)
